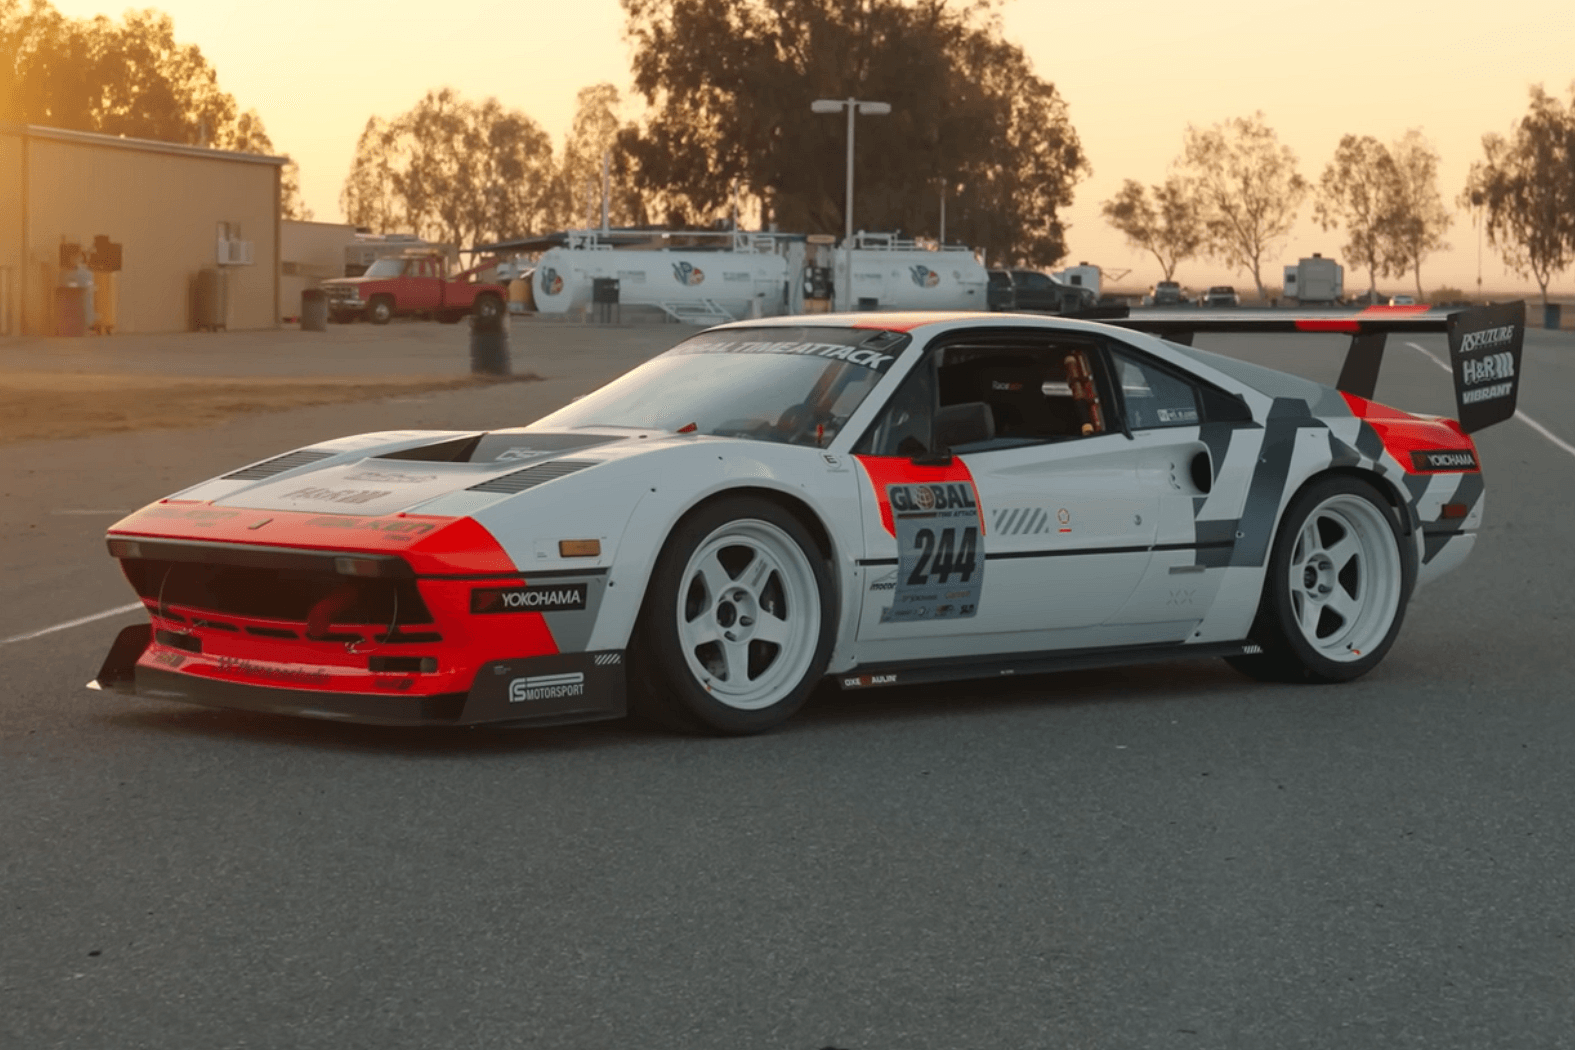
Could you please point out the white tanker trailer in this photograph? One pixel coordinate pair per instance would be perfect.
(893, 274)
(749, 277)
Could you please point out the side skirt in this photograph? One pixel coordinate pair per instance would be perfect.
(957, 669)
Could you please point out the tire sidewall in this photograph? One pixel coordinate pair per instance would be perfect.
(689, 704)
(1278, 632)
(380, 310)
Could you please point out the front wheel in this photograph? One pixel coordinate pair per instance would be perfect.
(1338, 581)
(738, 620)
(380, 310)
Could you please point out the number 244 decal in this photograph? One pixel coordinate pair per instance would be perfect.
(945, 557)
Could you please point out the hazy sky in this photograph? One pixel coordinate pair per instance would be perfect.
(1134, 76)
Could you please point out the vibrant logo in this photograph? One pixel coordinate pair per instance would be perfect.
(561, 598)
(551, 282)
(924, 277)
(688, 274)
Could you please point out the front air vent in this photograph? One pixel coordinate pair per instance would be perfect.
(278, 465)
(530, 477)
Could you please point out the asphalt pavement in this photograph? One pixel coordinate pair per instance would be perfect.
(1164, 856)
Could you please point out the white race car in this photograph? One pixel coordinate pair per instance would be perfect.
(881, 498)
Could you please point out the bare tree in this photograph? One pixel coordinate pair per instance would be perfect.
(1526, 185)
(1168, 226)
(452, 170)
(1360, 190)
(1248, 187)
(1420, 217)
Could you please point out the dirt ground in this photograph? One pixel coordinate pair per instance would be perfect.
(66, 388)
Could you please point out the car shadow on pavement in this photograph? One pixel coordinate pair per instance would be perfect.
(828, 706)
(404, 741)
(1181, 681)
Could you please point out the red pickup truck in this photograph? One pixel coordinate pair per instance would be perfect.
(416, 283)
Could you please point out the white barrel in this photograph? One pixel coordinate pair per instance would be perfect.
(738, 283)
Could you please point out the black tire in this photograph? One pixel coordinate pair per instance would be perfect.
(740, 569)
(380, 310)
(489, 307)
(1340, 576)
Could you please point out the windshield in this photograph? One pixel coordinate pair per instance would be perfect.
(386, 268)
(792, 385)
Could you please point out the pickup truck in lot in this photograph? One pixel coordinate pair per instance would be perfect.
(412, 284)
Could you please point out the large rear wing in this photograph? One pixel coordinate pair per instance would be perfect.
(1484, 343)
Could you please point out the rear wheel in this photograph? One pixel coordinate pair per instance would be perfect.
(1338, 581)
(738, 621)
(489, 307)
(380, 310)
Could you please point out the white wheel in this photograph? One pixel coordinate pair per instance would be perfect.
(1338, 580)
(738, 620)
(1344, 578)
(748, 614)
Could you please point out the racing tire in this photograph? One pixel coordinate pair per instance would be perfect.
(1339, 578)
(380, 310)
(489, 307)
(738, 621)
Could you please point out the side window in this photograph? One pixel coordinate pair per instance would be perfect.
(1031, 394)
(905, 426)
(1152, 397)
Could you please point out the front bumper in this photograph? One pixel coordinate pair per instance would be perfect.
(531, 691)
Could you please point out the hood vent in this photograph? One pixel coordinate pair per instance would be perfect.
(530, 477)
(278, 465)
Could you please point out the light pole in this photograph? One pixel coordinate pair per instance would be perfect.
(844, 297)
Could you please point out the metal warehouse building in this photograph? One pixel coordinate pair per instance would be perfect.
(169, 237)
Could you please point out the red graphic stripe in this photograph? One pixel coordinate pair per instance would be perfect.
(1402, 433)
(432, 545)
(896, 470)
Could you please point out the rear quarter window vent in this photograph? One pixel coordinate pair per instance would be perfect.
(278, 465)
(530, 477)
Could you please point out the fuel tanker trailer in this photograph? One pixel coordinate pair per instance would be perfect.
(746, 276)
(894, 274)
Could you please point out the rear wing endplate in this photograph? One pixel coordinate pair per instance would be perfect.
(1484, 344)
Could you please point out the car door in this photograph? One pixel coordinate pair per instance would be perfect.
(425, 286)
(1181, 430)
(1030, 537)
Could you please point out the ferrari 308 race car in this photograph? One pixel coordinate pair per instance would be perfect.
(882, 498)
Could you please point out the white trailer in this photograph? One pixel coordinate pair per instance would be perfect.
(1315, 280)
(894, 274)
(749, 274)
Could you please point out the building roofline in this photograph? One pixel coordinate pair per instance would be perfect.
(93, 138)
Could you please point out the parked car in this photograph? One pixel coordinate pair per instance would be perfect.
(1000, 294)
(415, 283)
(1402, 300)
(1220, 295)
(1166, 293)
(1034, 290)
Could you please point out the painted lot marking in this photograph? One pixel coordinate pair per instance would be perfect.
(1532, 423)
(78, 622)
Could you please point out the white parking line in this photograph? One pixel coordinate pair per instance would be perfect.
(78, 622)
(1532, 423)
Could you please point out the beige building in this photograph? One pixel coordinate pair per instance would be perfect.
(196, 231)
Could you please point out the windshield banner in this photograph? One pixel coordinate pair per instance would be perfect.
(871, 350)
